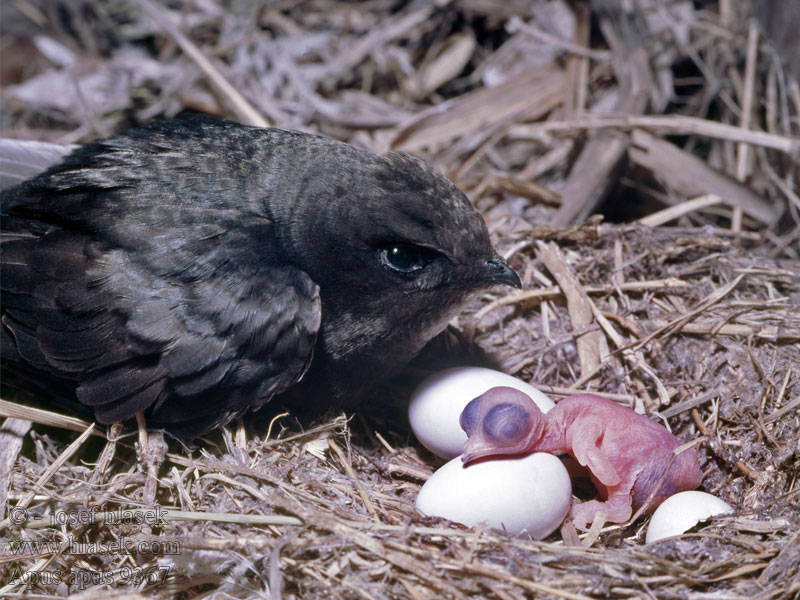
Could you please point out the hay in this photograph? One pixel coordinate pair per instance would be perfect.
(679, 123)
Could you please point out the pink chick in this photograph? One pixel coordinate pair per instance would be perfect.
(625, 452)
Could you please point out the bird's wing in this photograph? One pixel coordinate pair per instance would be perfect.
(192, 350)
(23, 159)
(587, 435)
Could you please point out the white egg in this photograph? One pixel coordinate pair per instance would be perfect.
(681, 512)
(529, 494)
(436, 405)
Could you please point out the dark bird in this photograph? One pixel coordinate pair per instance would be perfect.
(195, 268)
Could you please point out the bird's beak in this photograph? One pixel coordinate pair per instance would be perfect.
(471, 457)
(499, 272)
(476, 449)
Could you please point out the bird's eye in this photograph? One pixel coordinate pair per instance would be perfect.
(405, 258)
(470, 416)
(505, 423)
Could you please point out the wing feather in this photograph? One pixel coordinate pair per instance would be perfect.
(166, 292)
(191, 353)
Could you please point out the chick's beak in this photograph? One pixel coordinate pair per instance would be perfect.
(499, 272)
(475, 449)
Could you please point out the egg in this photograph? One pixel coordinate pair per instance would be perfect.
(436, 405)
(520, 495)
(681, 512)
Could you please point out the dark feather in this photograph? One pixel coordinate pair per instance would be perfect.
(196, 268)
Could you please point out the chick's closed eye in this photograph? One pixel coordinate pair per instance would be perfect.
(506, 423)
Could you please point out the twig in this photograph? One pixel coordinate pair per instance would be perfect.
(676, 324)
(243, 109)
(673, 212)
(592, 349)
(516, 24)
(743, 153)
(349, 468)
(664, 124)
(51, 470)
(44, 417)
(773, 333)
(633, 356)
(555, 291)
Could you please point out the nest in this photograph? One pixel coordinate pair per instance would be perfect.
(676, 121)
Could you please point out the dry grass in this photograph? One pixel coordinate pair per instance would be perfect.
(539, 110)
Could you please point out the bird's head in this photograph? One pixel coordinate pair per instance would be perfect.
(389, 232)
(502, 421)
(425, 233)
